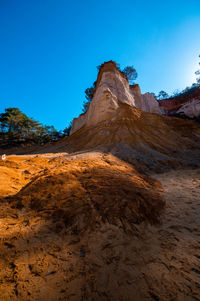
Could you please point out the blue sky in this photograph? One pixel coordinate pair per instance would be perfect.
(49, 50)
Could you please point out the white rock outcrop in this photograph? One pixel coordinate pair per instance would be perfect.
(78, 122)
(112, 89)
(150, 104)
(190, 108)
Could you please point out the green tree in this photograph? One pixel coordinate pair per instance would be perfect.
(13, 120)
(86, 105)
(67, 130)
(17, 126)
(162, 95)
(131, 74)
(198, 74)
(176, 93)
(89, 94)
(116, 65)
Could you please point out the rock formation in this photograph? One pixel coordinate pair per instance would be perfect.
(86, 220)
(187, 104)
(112, 89)
(190, 108)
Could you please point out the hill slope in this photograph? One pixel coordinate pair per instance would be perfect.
(109, 213)
(91, 227)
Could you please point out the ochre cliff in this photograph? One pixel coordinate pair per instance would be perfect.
(187, 103)
(112, 89)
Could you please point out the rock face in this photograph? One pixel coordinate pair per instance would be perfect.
(184, 104)
(78, 123)
(150, 104)
(112, 89)
(190, 108)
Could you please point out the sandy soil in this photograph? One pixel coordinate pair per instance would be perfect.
(48, 252)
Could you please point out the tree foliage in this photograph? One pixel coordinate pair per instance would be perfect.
(17, 126)
(131, 74)
(116, 65)
(162, 95)
(198, 74)
(89, 93)
(67, 130)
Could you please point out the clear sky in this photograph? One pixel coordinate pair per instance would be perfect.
(49, 50)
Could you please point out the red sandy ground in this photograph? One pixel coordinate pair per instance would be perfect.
(93, 228)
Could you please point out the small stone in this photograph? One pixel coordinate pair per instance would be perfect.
(3, 157)
(50, 272)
